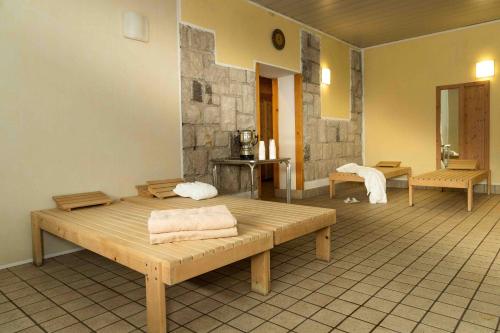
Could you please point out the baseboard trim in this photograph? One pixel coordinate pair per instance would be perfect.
(312, 192)
(48, 256)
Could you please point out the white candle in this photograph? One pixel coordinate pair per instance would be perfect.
(262, 150)
(272, 149)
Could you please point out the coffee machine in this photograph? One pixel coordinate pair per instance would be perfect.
(248, 139)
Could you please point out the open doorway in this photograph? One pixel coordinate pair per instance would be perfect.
(268, 101)
(279, 117)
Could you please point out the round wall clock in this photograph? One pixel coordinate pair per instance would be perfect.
(278, 39)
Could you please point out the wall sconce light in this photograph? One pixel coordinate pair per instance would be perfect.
(325, 76)
(485, 68)
(135, 26)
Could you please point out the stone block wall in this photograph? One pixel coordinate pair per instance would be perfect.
(328, 143)
(215, 101)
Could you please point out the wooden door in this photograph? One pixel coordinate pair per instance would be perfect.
(266, 133)
(267, 125)
(474, 131)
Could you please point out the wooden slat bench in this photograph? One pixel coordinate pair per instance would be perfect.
(286, 221)
(390, 169)
(458, 174)
(119, 232)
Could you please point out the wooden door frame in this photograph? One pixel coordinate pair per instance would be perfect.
(299, 133)
(461, 87)
(299, 127)
(276, 137)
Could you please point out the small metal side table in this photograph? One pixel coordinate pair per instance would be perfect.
(252, 164)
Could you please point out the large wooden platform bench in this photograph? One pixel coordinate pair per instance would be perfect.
(390, 169)
(118, 232)
(459, 174)
(286, 221)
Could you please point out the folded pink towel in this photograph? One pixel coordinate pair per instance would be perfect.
(168, 237)
(193, 219)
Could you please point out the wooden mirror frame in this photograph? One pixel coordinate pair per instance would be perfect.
(461, 87)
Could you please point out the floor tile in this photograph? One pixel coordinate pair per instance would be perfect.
(353, 325)
(398, 324)
(308, 326)
(287, 319)
(246, 322)
(369, 315)
(440, 321)
(267, 311)
(328, 317)
(203, 324)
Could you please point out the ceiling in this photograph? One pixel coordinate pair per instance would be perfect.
(366, 23)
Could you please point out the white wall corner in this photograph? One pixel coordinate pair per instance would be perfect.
(316, 183)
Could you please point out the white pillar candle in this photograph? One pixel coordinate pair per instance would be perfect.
(262, 150)
(272, 149)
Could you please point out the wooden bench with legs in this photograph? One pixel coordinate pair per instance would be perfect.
(286, 221)
(459, 174)
(119, 232)
(390, 169)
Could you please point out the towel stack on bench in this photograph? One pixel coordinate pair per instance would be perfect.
(190, 224)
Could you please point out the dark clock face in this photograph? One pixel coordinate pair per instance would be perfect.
(278, 39)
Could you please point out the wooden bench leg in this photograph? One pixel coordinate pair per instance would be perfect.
(332, 189)
(470, 196)
(155, 300)
(37, 240)
(261, 272)
(488, 183)
(408, 176)
(323, 244)
(410, 194)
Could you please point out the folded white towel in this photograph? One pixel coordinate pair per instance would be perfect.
(375, 181)
(196, 190)
(193, 219)
(168, 237)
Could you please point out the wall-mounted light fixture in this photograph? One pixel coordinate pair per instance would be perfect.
(325, 76)
(135, 26)
(485, 69)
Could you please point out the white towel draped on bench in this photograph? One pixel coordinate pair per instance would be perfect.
(375, 182)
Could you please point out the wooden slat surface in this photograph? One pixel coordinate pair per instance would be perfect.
(143, 190)
(72, 201)
(462, 164)
(389, 172)
(449, 178)
(285, 220)
(126, 223)
(392, 164)
(163, 188)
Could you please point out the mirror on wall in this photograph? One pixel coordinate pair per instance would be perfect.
(450, 115)
(463, 123)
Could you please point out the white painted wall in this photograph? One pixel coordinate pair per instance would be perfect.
(81, 107)
(286, 103)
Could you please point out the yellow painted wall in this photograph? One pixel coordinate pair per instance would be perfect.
(400, 82)
(335, 98)
(81, 107)
(243, 37)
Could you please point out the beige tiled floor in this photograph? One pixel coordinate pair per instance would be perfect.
(430, 268)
